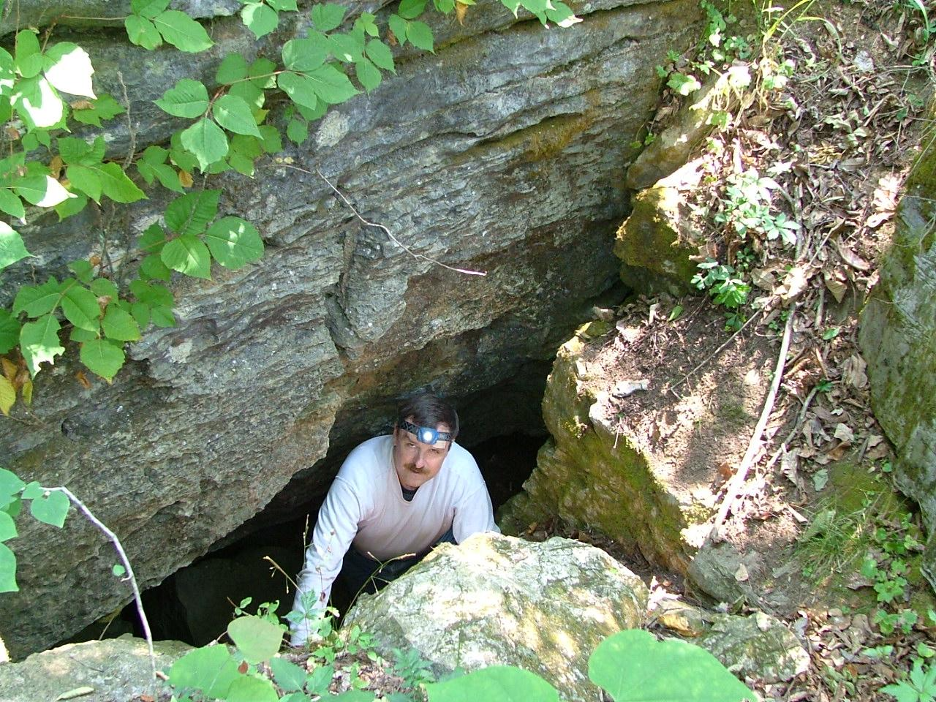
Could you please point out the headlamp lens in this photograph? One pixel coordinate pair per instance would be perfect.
(425, 435)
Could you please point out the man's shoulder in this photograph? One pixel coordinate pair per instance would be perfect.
(369, 456)
(462, 462)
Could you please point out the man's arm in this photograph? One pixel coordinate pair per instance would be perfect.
(335, 529)
(474, 514)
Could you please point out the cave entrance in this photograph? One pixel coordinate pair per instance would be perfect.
(196, 603)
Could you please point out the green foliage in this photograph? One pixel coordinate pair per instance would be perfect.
(746, 207)
(494, 684)
(412, 667)
(920, 685)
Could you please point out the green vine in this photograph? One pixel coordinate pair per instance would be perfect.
(45, 168)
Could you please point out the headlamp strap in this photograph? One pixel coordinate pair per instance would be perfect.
(425, 435)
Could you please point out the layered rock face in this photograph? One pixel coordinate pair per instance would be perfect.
(897, 332)
(497, 600)
(503, 152)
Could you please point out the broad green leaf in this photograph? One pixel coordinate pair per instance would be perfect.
(411, 9)
(69, 69)
(8, 526)
(153, 294)
(398, 26)
(380, 54)
(327, 83)
(11, 204)
(105, 107)
(10, 486)
(259, 18)
(32, 490)
(249, 92)
(37, 102)
(141, 313)
(50, 508)
(182, 31)
(41, 190)
(189, 255)
(297, 130)
(7, 400)
(206, 140)
(153, 237)
(502, 683)
(298, 87)
(250, 689)
(168, 177)
(328, 16)
(561, 14)
(27, 54)
(152, 267)
(80, 306)
(261, 73)
(289, 676)
(37, 300)
(9, 331)
(116, 185)
(85, 180)
(628, 666)
(444, 6)
(683, 84)
(120, 325)
(188, 98)
(303, 54)
(232, 69)
(257, 639)
(367, 73)
(148, 8)
(7, 570)
(210, 669)
(347, 48)
(283, 5)
(270, 139)
(420, 35)
(7, 74)
(191, 213)
(353, 696)
(71, 206)
(234, 242)
(83, 271)
(142, 32)
(78, 335)
(102, 287)
(154, 155)
(39, 342)
(244, 151)
(12, 248)
(102, 357)
(79, 152)
(367, 23)
(232, 113)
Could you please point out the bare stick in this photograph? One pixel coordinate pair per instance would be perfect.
(719, 349)
(737, 480)
(387, 231)
(126, 564)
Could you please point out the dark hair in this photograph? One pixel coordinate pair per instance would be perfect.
(427, 410)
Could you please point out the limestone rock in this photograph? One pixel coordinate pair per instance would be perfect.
(498, 600)
(116, 670)
(896, 336)
(502, 152)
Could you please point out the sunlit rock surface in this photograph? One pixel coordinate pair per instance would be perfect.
(498, 600)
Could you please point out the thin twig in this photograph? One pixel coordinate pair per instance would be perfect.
(796, 426)
(719, 349)
(126, 564)
(737, 480)
(387, 231)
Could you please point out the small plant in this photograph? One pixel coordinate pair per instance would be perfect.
(747, 208)
(920, 686)
(412, 667)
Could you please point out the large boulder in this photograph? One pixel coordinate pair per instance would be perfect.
(503, 152)
(498, 600)
(896, 334)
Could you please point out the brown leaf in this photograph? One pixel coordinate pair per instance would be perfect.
(243, 667)
(82, 105)
(83, 379)
(853, 371)
(9, 369)
(460, 11)
(833, 281)
(851, 258)
(55, 166)
(185, 179)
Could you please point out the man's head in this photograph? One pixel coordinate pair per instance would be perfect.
(425, 429)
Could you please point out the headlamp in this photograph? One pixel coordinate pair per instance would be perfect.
(425, 435)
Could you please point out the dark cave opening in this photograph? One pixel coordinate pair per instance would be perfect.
(196, 603)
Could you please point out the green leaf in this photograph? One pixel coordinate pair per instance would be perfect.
(102, 357)
(105, 107)
(628, 666)
(191, 213)
(367, 73)
(12, 248)
(398, 26)
(420, 35)
(326, 83)
(270, 139)
(7, 400)
(328, 16)
(27, 54)
(148, 8)
(259, 18)
(71, 206)
(283, 5)
(7, 570)
(367, 24)
(8, 531)
(297, 130)
(9, 331)
(10, 486)
(188, 98)
(232, 69)
(683, 84)
(85, 180)
(37, 300)
(11, 204)
(41, 190)
(142, 32)
(502, 683)
(206, 140)
(80, 306)
(289, 676)
(380, 54)
(347, 48)
(79, 152)
(118, 570)
(102, 287)
(298, 87)
(38, 103)
(250, 689)
(232, 113)
(210, 669)
(182, 31)
(411, 9)
(234, 242)
(189, 255)
(152, 267)
(353, 696)
(116, 185)
(303, 54)
(120, 325)
(50, 508)
(69, 69)
(257, 639)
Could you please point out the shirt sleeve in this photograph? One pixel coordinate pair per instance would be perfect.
(335, 529)
(474, 514)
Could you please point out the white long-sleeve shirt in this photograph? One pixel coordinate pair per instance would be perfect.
(365, 507)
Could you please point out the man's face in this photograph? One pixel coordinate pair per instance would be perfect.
(417, 463)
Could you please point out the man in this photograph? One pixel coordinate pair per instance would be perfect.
(394, 498)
